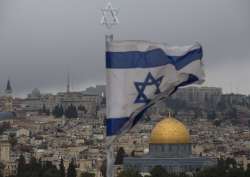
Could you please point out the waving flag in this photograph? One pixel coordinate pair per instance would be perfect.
(140, 73)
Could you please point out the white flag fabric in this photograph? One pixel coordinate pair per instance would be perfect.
(140, 73)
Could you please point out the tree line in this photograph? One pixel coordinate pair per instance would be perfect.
(225, 168)
(38, 168)
(69, 112)
(59, 111)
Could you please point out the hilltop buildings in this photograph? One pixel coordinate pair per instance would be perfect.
(199, 95)
(6, 104)
(89, 100)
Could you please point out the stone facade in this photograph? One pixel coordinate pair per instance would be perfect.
(173, 157)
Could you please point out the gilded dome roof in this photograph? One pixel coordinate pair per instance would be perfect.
(170, 131)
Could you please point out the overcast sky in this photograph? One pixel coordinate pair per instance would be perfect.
(41, 40)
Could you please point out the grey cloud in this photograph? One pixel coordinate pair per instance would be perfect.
(41, 40)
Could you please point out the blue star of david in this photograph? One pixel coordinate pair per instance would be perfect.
(141, 86)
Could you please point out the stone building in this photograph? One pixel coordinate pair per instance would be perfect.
(5, 157)
(199, 95)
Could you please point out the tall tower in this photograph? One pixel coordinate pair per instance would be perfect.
(68, 83)
(8, 102)
(4, 151)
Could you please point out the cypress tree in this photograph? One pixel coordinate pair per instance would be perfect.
(120, 156)
(247, 173)
(1, 169)
(61, 110)
(158, 171)
(55, 111)
(21, 166)
(71, 172)
(75, 113)
(62, 169)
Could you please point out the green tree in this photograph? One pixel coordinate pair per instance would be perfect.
(51, 172)
(211, 172)
(120, 155)
(62, 168)
(21, 167)
(72, 169)
(230, 163)
(104, 167)
(235, 172)
(247, 173)
(211, 115)
(1, 169)
(55, 111)
(158, 171)
(58, 111)
(71, 112)
(4, 126)
(197, 113)
(12, 140)
(44, 110)
(130, 173)
(87, 174)
(82, 108)
(61, 111)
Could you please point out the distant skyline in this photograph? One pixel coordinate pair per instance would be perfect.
(41, 41)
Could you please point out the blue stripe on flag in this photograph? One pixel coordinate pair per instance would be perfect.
(148, 59)
(191, 79)
(113, 125)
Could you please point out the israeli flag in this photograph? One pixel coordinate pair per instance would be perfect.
(141, 73)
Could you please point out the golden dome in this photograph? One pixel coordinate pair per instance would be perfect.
(170, 131)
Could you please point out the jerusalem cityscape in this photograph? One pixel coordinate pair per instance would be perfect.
(124, 108)
(70, 125)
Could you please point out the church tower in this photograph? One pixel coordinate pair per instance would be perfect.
(8, 102)
(68, 83)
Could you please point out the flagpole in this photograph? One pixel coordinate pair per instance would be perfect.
(109, 19)
(109, 150)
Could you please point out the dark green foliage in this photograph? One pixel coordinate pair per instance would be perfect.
(133, 153)
(130, 173)
(72, 169)
(58, 111)
(247, 173)
(4, 126)
(104, 167)
(158, 171)
(62, 169)
(1, 169)
(87, 174)
(44, 110)
(211, 115)
(71, 112)
(225, 168)
(232, 113)
(82, 108)
(217, 123)
(21, 167)
(36, 168)
(12, 140)
(197, 113)
(236, 172)
(49, 170)
(119, 157)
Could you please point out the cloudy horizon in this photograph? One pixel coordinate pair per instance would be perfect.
(42, 40)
